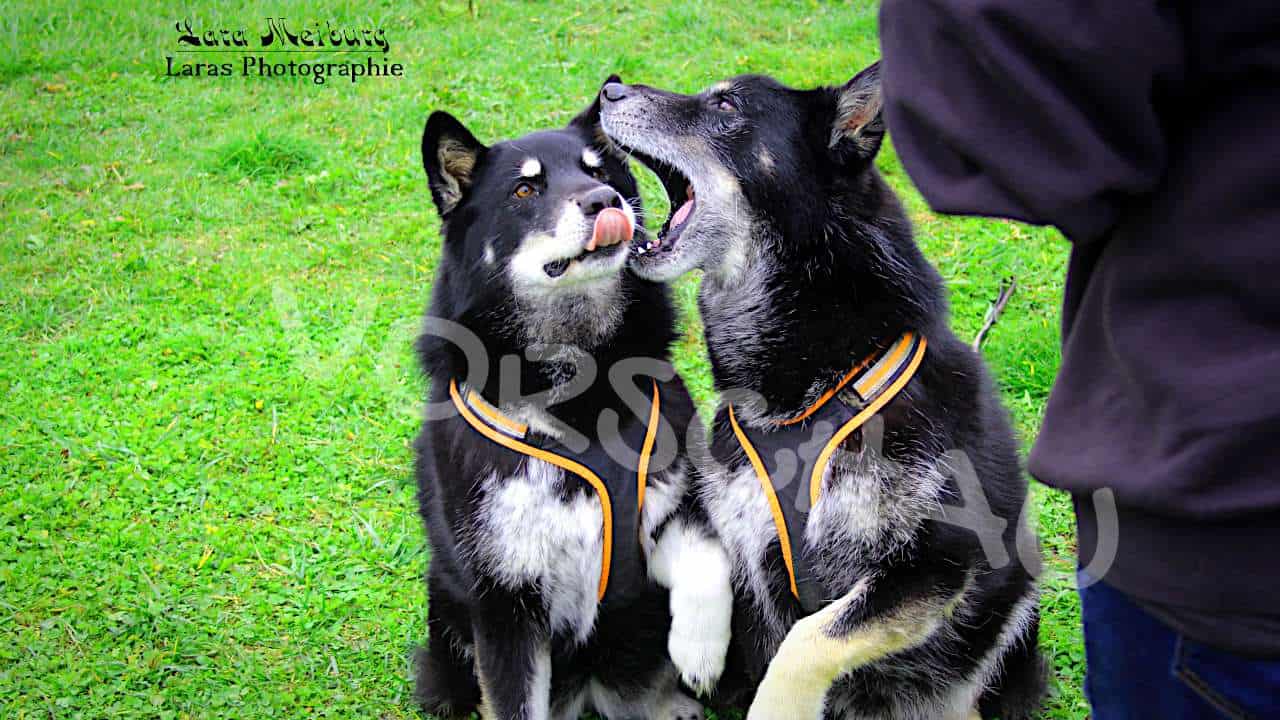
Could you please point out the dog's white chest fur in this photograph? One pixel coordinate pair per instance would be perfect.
(529, 535)
(741, 516)
(870, 509)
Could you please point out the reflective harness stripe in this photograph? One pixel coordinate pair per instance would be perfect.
(511, 427)
(650, 437)
(822, 400)
(510, 434)
(784, 538)
(876, 388)
(868, 385)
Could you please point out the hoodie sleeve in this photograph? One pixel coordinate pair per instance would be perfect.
(1043, 111)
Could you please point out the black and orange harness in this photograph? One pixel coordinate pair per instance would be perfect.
(516, 436)
(799, 449)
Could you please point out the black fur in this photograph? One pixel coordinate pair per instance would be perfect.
(822, 270)
(481, 624)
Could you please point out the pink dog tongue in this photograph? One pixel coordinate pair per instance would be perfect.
(611, 228)
(682, 213)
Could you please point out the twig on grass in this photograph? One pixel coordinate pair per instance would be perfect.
(1007, 286)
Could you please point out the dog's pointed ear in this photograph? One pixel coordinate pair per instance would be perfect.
(450, 155)
(858, 126)
(588, 121)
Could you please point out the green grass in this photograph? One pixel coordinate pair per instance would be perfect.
(264, 156)
(209, 289)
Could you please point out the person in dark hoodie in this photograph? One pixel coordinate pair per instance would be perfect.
(1149, 134)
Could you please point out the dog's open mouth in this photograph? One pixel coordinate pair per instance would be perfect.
(683, 200)
(610, 231)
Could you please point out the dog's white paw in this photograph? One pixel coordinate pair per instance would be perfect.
(696, 569)
(701, 615)
(698, 657)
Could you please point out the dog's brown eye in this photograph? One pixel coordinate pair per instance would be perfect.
(726, 105)
(600, 174)
(523, 190)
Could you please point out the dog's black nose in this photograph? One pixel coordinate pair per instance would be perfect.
(597, 199)
(613, 92)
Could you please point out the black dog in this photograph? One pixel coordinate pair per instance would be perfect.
(567, 552)
(868, 489)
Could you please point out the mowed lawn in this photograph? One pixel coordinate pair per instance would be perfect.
(208, 292)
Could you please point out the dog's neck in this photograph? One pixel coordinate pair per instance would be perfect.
(791, 316)
(532, 378)
(543, 384)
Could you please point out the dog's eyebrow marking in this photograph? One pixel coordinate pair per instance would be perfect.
(720, 87)
(591, 158)
(531, 167)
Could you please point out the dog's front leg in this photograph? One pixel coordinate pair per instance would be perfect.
(513, 657)
(689, 560)
(841, 637)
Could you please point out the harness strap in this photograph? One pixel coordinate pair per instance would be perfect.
(771, 495)
(510, 434)
(876, 388)
(822, 399)
(885, 360)
(870, 385)
(498, 421)
(650, 437)
(875, 405)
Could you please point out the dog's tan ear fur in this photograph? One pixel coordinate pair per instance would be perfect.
(450, 155)
(858, 118)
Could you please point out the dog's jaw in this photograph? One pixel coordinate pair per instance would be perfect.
(715, 225)
(567, 241)
(583, 306)
(664, 269)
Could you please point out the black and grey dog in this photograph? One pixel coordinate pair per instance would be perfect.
(866, 478)
(570, 567)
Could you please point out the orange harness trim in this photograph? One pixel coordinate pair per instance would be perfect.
(784, 538)
(822, 400)
(875, 397)
(876, 405)
(650, 437)
(509, 434)
(479, 404)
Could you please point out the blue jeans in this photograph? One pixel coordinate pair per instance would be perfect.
(1140, 668)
